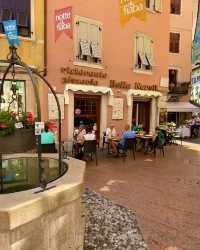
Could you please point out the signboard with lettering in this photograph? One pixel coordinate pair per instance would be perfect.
(118, 109)
(52, 106)
(39, 127)
(195, 90)
(132, 8)
(10, 27)
(63, 22)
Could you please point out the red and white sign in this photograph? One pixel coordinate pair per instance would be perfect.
(63, 22)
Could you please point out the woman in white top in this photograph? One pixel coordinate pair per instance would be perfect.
(110, 132)
(89, 136)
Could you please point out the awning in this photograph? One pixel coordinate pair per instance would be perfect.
(181, 107)
(86, 89)
(141, 93)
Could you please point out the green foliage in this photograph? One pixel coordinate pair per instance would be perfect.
(7, 123)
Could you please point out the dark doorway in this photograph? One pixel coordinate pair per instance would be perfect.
(141, 114)
(87, 111)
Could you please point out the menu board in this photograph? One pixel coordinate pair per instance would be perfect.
(52, 106)
(118, 109)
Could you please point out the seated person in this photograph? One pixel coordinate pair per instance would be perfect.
(138, 128)
(81, 133)
(47, 137)
(89, 136)
(111, 131)
(158, 140)
(78, 139)
(47, 141)
(116, 146)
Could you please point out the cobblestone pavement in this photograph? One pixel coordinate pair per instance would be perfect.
(164, 193)
(110, 226)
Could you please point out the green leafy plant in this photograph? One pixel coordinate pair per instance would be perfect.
(7, 123)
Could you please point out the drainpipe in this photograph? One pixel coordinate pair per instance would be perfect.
(45, 37)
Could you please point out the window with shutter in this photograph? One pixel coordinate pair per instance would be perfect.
(95, 39)
(82, 40)
(144, 59)
(154, 5)
(88, 41)
(158, 5)
(174, 43)
(175, 7)
(149, 51)
(18, 10)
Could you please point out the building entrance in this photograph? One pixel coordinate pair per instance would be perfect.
(87, 111)
(141, 114)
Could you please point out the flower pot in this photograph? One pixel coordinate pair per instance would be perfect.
(3, 125)
(21, 141)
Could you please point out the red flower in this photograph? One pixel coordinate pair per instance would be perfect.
(29, 117)
(14, 115)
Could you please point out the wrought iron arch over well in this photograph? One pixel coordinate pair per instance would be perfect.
(14, 60)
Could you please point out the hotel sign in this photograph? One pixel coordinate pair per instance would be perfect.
(119, 84)
(138, 85)
(132, 8)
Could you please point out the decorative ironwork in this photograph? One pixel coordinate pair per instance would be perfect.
(13, 60)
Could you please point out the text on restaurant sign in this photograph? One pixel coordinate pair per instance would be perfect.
(63, 22)
(93, 76)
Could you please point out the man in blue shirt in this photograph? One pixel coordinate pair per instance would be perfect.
(126, 135)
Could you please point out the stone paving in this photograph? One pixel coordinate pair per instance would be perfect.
(164, 193)
(110, 226)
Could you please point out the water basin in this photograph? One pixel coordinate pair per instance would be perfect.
(23, 173)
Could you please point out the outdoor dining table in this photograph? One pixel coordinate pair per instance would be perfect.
(116, 138)
(112, 139)
(146, 139)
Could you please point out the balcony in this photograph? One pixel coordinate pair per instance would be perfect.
(179, 88)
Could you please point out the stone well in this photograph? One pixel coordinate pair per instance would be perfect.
(49, 220)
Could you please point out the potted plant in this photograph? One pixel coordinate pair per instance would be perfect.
(7, 123)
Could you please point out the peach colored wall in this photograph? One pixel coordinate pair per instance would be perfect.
(183, 24)
(118, 44)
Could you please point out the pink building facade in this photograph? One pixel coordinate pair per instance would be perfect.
(103, 72)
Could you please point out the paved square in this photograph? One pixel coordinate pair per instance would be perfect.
(164, 193)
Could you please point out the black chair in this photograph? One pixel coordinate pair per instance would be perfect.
(158, 144)
(105, 142)
(129, 146)
(48, 148)
(90, 148)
